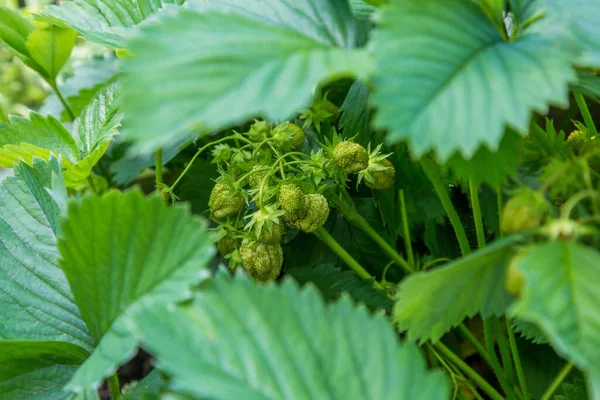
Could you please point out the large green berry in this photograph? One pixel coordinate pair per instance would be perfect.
(223, 202)
(351, 157)
(226, 245)
(525, 210)
(289, 135)
(293, 202)
(262, 261)
(577, 140)
(271, 233)
(257, 176)
(316, 216)
(383, 175)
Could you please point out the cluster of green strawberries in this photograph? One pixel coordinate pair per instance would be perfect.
(267, 186)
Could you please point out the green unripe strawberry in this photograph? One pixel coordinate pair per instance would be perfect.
(577, 140)
(591, 150)
(271, 234)
(293, 202)
(525, 210)
(256, 178)
(351, 157)
(514, 278)
(262, 261)
(259, 130)
(289, 135)
(223, 202)
(383, 176)
(226, 245)
(316, 216)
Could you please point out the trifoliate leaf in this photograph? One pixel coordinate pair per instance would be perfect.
(430, 303)
(278, 342)
(448, 82)
(560, 297)
(108, 22)
(238, 57)
(121, 252)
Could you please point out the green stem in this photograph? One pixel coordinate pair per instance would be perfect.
(517, 360)
(562, 375)
(62, 100)
(469, 372)
(478, 346)
(159, 168)
(361, 223)
(500, 202)
(477, 215)
(494, 362)
(504, 351)
(585, 113)
(115, 387)
(326, 238)
(431, 171)
(92, 185)
(406, 230)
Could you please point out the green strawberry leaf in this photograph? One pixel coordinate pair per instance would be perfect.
(35, 297)
(38, 370)
(570, 317)
(122, 252)
(273, 342)
(430, 303)
(588, 83)
(50, 48)
(448, 82)
(583, 16)
(241, 60)
(108, 23)
(39, 136)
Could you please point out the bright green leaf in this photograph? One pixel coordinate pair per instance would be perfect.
(50, 48)
(430, 303)
(570, 316)
(104, 22)
(448, 82)
(229, 61)
(39, 370)
(35, 298)
(121, 252)
(583, 16)
(14, 29)
(239, 339)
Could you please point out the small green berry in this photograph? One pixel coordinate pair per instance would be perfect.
(514, 278)
(351, 157)
(577, 140)
(526, 210)
(257, 176)
(226, 245)
(271, 234)
(316, 216)
(262, 261)
(223, 202)
(289, 135)
(293, 202)
(383, 175)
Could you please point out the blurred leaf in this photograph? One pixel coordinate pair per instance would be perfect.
(361, 9)
(146, 389)
(430, 303)
(105, 22)
(540, 364)
(588, 83)
(561, 298)
(439, 94)
(122, 252)
(298, 349)
(238, 56)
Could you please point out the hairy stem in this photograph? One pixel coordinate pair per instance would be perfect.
(406, 230)
(326, 238)
(115, 387)
(469, 372)
(562, 375)
(517, 360)
(585, 113)
(62, 100)
(432, 173)
(159, 168)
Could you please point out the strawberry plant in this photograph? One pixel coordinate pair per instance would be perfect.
(309, 199)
